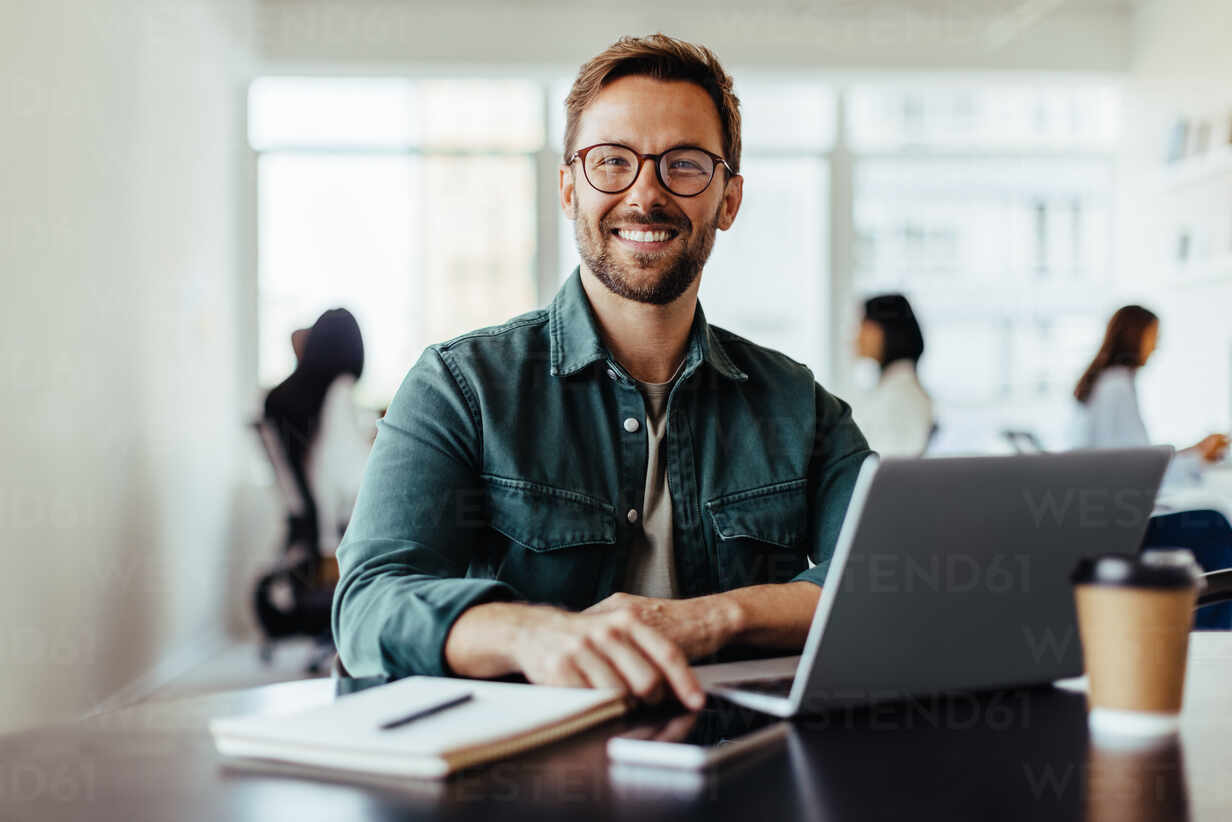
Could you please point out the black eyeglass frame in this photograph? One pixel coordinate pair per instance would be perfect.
(580, 154)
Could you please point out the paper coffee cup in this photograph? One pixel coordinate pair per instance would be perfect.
(1134, 618)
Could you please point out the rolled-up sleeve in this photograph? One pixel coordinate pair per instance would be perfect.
(839, 449)
(405, 556)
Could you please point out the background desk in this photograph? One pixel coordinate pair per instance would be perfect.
(1214, 492)
(1015, 755)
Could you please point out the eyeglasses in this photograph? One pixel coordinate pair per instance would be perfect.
(685, 171)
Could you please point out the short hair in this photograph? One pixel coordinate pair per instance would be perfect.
(900, 330)
(662, 58)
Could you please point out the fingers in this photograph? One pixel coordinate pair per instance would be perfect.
(639, 673)
(671, 662)
(610, 650)
(563, 674)
(598, 670)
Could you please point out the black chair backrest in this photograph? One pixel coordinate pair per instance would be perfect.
(288, 489)
(1218, 588)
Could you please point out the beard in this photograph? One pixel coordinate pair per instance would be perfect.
(677, 270)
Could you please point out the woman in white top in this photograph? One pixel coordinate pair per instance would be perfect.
(1108, 398)
(897, 416)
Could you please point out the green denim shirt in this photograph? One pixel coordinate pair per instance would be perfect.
(503, 471)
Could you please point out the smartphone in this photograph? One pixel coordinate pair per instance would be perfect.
(701, 740)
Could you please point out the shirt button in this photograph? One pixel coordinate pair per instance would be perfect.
(631, 516)
(631, 425)
(611, 375)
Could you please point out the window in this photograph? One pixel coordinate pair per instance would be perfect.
(408, 202)
(768, 278)
(341, 230)
(990, 207)
(423, 203)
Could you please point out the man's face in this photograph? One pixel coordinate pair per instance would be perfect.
(650, 117)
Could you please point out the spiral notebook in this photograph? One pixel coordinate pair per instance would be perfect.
(498, 720)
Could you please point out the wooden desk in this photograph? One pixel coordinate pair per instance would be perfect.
(1008, 756)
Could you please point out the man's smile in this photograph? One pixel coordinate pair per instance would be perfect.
(645, 238)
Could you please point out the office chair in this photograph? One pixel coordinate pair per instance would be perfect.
(1218, 588)
(294, 596)
(1208, 535)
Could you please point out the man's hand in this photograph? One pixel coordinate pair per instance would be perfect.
(698, 626)
(613, 649)
(639, 645)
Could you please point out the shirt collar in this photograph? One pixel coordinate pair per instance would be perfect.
(575, 341)
(900, 369)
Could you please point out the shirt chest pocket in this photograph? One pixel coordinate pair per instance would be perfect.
(554, 543)
(761, 534)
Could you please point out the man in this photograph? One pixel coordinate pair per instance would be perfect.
(596, 493)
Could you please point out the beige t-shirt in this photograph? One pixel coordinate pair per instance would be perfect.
(652, 563)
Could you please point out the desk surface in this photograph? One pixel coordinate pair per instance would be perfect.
(1214, 491)
(1006, 756)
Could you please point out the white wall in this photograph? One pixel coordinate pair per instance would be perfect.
(125, 331)
(1181, 66)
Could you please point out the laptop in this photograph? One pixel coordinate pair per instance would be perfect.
(952, 575)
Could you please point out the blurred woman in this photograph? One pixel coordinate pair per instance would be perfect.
(897, 416)
(325, 435)
(1108, 398)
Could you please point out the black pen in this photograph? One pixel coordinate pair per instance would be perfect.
(428, 711)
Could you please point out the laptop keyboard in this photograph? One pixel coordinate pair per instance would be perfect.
(771, 687)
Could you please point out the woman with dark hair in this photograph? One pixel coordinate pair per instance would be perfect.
(897, 416)
(1108, 398)
(321, 430)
